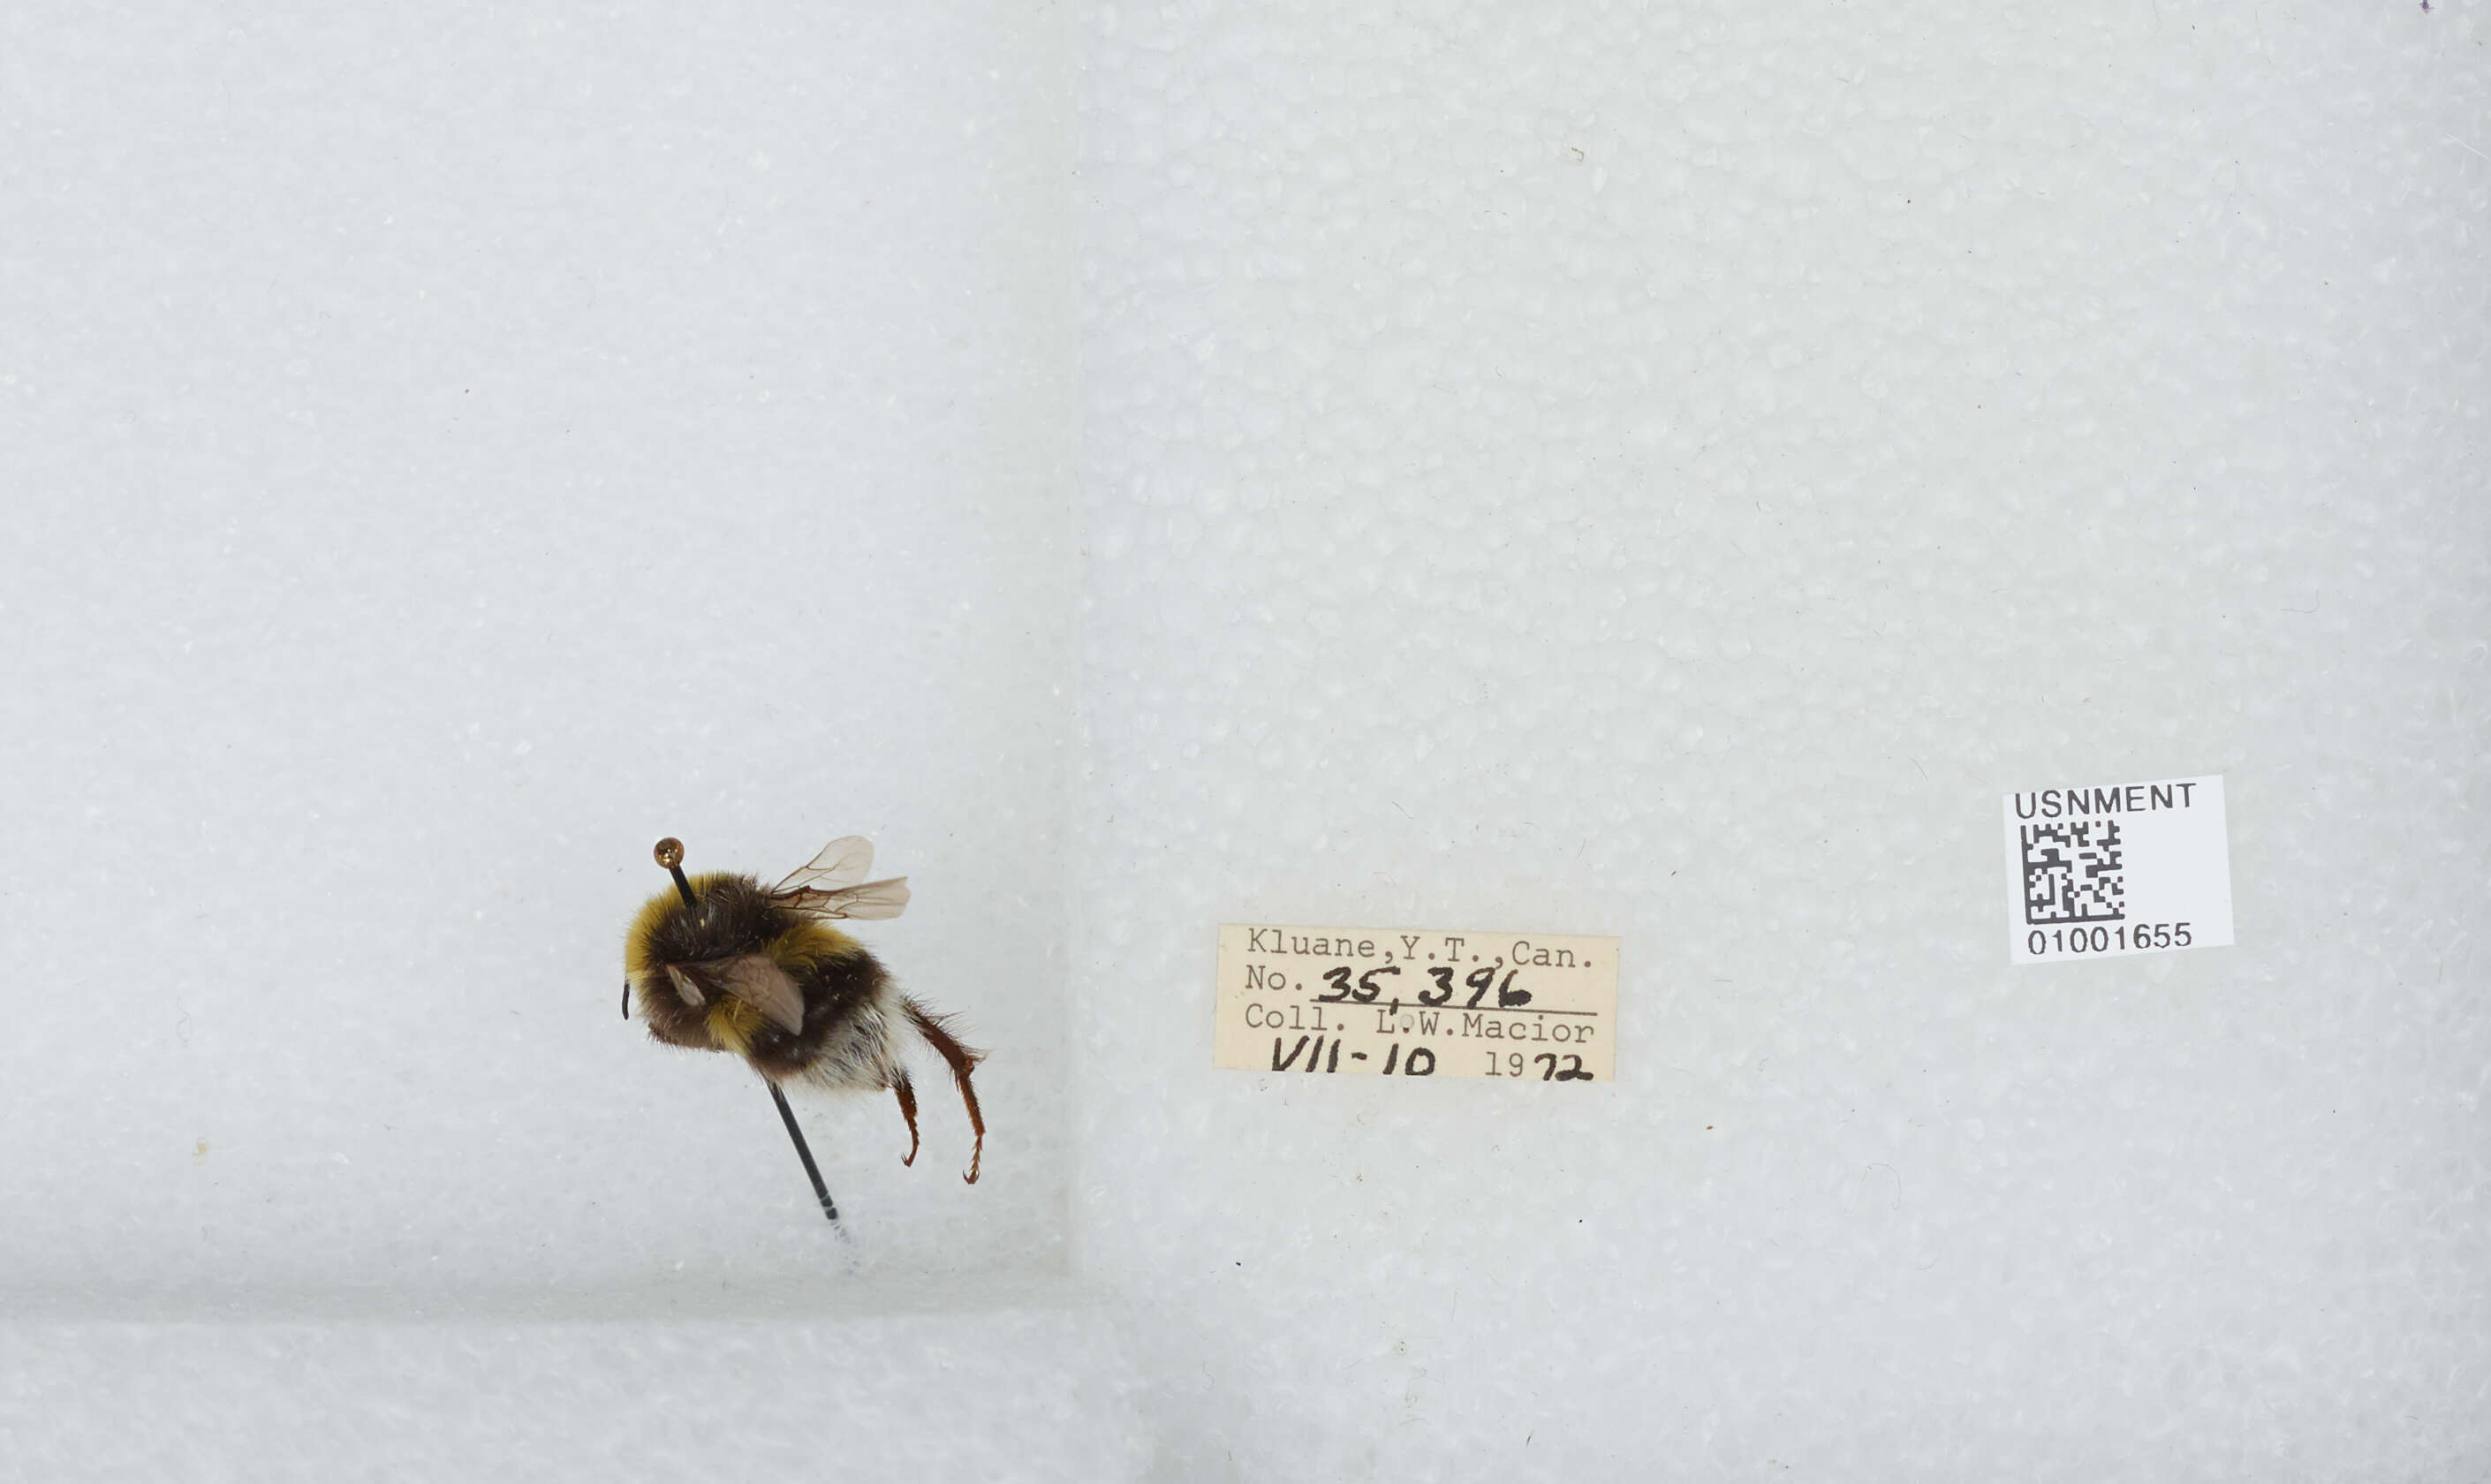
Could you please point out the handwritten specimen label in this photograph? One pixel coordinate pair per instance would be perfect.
(1327, 1002)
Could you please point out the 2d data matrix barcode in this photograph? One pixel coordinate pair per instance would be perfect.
(2074, 872)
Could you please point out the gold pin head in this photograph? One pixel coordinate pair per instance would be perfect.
(669, 853)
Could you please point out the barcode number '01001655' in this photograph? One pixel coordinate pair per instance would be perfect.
(1416, 1003)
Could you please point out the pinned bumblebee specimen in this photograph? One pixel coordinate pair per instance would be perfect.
(724, 963)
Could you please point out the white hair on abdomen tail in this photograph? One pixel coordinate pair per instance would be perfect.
(864, 1055)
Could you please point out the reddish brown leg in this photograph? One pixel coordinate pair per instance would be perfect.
(962, 1061)
(907, 1110)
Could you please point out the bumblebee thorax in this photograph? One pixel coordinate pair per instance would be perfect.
(731, 915)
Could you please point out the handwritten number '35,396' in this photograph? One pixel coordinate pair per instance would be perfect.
(1479, 980)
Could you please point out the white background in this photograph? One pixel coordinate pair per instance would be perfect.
(446, 454)
(1653, 470)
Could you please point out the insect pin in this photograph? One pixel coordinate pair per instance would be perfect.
(724, 963)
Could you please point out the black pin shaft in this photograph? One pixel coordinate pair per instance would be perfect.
(812, 1172)
(670, 854)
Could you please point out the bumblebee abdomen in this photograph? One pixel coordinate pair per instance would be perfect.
(843, 988)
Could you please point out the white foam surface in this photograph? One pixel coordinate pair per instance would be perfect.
(446, 455)
(1653, 470)
(909, 1396)
(1666, 471)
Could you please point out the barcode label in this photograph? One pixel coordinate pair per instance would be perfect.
(2101, 871)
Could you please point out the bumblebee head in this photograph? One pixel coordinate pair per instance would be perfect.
(679, 941)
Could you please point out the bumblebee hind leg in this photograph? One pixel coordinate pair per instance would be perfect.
(907, 1094)
(962, 1061)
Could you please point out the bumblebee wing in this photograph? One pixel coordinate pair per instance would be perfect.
(762, 984)
(873, 901)
(842, 863)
